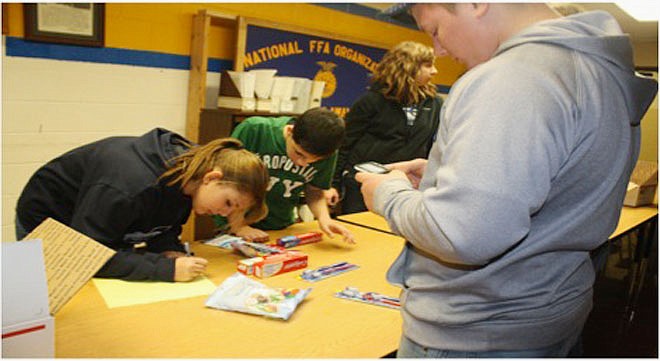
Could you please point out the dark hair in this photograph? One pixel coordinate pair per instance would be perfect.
(319, 131)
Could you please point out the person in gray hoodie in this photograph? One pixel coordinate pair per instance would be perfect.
(536, 144)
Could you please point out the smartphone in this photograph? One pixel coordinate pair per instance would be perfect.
(371, 167)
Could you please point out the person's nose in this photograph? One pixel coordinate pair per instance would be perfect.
(434, 70)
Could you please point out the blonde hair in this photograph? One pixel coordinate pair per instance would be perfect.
(240, 168)
(395, 76)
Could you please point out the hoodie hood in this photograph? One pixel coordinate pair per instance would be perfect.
(597, 34)
(158, 147)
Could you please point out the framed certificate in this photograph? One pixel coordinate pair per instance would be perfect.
(66, 23)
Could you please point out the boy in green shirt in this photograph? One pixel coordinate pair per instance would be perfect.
(300, 154)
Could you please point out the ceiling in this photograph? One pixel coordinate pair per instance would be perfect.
(639, 31)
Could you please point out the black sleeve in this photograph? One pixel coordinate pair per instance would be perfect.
(168, 241)
(131, 266)
(104, 214)
(358, 119)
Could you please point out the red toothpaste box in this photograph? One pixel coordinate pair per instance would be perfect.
(273, 264)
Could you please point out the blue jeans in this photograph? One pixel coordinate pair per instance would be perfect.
(20, 230)
(569, 347)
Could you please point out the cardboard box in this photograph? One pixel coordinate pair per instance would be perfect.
(28, 329)
(273, 264)
(643, 184)
(39, 275)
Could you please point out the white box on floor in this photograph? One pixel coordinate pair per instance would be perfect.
(28, 329)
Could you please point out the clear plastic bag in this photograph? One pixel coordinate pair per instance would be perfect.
(243, 294)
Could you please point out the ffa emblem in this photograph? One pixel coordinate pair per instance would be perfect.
(326, 75)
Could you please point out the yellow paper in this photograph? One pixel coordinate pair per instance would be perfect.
(119, 293)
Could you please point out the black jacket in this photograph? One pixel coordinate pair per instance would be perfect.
(377, 130)
(109, 191)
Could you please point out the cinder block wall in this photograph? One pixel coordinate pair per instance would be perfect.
(50, 107)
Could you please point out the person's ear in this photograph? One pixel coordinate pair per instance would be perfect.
(481, 9)
(214, 175)
(288, 130)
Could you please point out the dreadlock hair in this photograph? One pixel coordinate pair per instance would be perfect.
(240, 168)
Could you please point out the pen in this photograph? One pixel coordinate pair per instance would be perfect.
(186, 246)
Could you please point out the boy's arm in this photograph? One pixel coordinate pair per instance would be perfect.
(317, 204)
(239, 227)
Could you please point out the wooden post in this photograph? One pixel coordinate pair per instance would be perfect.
(197, 86)
(241, 43)
(198, 69)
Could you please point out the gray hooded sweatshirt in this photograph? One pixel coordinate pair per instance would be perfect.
(527, 175)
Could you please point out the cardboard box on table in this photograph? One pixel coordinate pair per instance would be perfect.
(643, 184)
(39, 275)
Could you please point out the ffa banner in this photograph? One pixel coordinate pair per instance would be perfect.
(343, 66)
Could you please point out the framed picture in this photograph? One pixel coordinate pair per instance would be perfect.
(66, 23)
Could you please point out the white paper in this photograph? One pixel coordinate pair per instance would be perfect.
(302, 91)
(245, 82)
(264, 79)
(316, 94)
(282, 87)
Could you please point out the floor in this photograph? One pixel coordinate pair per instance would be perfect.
(607, 332)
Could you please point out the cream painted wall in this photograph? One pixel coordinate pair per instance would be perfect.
(52, 106)
(646, 54)
(649, 149)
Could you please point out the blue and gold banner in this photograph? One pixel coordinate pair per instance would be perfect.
(345, 67)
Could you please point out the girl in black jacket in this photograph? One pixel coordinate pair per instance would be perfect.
(395, 120)
(133, 194)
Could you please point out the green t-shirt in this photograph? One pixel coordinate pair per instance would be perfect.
(264, 136)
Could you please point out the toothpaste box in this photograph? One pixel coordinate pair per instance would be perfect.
(305, 238)
(246, 266)
(273, 264)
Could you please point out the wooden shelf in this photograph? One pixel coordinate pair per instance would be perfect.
(205, 124)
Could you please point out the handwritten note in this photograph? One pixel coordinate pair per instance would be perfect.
(71, 260)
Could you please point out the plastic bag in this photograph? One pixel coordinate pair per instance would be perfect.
(243, 294)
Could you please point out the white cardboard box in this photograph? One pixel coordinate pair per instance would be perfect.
(28, 329)
(40, 274)
(643, 184)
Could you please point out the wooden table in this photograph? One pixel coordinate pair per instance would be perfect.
(639, 221)
(323, 326)
(630, 219)
(368, 220)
